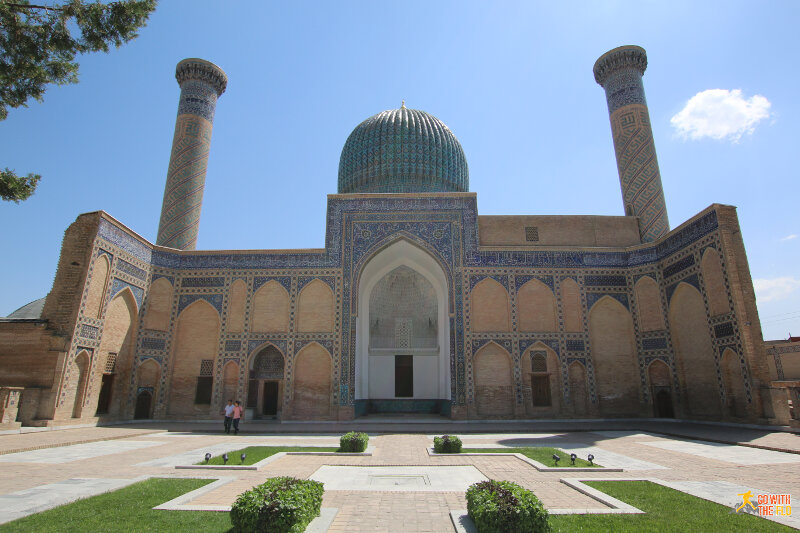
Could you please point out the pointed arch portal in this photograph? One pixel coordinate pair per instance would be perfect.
(402, 333)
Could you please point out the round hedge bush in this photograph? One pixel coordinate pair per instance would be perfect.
(353, 442)
(279, 505)
(505, 507)
(447, 444)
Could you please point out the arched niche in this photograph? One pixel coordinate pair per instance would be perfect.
(661, 391)
(196, 340)
(236, 298)
(148, 377)
(315, 307)
(614, 355)
(429, 365)
(714, 281)
(578, 388)
(490, 308)
(266, 371)
(115, 356)
(648, 301)
(270, 309)
(230, 382)
(571, 305)
(536, 307)
(735, 399)
(492, 371)
(159, 303)
(97, 287)
(80, 379)
(541, 379)
(694, 352)
(311, 398)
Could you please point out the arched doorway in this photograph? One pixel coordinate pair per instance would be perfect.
(144, 404)
(661, 387)
(403, 333)
(663, 403)
(265, 386)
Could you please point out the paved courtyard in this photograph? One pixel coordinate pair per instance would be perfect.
(401, 487)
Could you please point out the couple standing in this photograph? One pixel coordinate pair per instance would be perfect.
(233, 413)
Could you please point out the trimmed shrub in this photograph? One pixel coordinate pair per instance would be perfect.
(447, 444)
(505, 507)
(353, 442)
(280, 505)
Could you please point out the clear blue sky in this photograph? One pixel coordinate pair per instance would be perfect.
(512, 80)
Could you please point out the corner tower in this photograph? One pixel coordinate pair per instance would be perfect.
(201, 84)
(619, 72)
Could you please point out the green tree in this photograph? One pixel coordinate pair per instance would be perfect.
(38, 46)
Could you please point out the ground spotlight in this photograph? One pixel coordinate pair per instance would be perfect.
(591, 458)
(243, 457)
(225, 458)
(208, 457)
(556, 458)
(572, 458)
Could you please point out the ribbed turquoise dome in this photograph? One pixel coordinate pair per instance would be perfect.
(402, 150)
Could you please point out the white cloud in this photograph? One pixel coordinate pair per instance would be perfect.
(775, 289)
(720, 114)
(789, 237)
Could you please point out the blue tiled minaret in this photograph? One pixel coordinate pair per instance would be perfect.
(201, 84)
(619, 72)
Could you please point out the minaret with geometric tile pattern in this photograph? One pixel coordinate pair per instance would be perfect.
(201, 84)
(619, 72)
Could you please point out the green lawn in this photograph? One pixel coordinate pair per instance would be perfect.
(258, 453)
(667, 511)
(127, 509)
(543, 454)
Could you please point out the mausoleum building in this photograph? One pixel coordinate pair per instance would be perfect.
(416, 303)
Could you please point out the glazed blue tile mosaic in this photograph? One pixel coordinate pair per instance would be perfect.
(117, 285)
(575, 345)
(723, 330)
(188, 299)
(233, 346)
(150, 343)
(283, 280)
(605, 281)
(679, 266)
(203, 282)
(657, 343)
(89, 332)
(131, 270)
(593, 297)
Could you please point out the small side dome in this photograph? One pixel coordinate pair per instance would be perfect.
(402, 151)
(29, 311)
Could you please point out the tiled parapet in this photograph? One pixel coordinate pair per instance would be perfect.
(201, 84)
(619, 72)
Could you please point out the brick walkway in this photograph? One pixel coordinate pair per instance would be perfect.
(375, 511)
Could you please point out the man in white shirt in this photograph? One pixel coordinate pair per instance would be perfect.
(228, 416)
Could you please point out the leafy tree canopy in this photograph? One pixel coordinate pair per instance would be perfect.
(38, 45)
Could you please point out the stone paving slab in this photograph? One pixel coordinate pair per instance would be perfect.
(76, 452)
(64, 437)
(198, 454)
(398, 478)
(726, 452)
(610, 459)
(503, 436)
